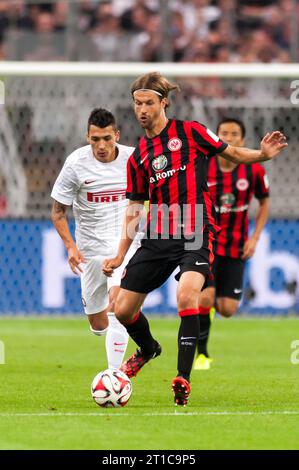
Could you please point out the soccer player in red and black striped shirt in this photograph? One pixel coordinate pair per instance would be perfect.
(232, 187)
(169, 168)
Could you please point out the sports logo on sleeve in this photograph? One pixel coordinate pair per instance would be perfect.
(174, 144)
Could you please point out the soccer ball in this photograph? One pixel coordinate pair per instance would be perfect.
(111, 388)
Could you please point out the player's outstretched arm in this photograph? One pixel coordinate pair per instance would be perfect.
(59, 219)
(129, 230)
(271, 145)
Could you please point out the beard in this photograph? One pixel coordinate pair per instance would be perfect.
(146, 123)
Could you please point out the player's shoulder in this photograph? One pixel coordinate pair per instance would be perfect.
(125, 151)
(199, 128)
(79, 155)
(136, 154)
(258, 169)
(195, 124)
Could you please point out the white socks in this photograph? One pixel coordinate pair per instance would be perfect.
(99, 332)
(116, 342)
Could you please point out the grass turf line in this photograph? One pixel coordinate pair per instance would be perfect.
(238, 404)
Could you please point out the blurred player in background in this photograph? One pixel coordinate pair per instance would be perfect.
(232, 187)
(169, 168)
(93, 180)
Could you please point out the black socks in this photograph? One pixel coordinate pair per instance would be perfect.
(139, 331)
(204, 331)
(187, 341)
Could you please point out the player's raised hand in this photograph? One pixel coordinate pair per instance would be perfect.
(272, 144)
(109, 265)
(75, 259)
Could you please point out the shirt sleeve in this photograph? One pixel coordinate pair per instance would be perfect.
(137, 182)
(206, 140)
(66, 186)
(261, 187)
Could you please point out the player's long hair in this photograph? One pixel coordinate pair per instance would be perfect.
(156, 82)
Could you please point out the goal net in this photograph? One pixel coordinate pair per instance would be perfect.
(43, 114)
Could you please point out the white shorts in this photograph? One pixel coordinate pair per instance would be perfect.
(95, 285)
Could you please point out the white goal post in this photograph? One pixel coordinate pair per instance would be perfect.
(125, 69)
(53, 100)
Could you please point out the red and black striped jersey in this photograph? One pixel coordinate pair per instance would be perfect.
(231, 192)
(170, 170)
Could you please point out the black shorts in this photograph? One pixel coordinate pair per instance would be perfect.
(227, 277)
(155, 261)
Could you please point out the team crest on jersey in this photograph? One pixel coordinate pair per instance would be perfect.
(159, 163)
(242, 184)
(227, 199)
(174, 144)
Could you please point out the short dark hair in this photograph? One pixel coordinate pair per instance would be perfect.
(100, 117)
(236, 121)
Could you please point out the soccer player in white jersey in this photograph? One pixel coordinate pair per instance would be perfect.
(93, 180)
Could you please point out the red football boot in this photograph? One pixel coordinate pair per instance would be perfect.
(181, 390)
(132, 366)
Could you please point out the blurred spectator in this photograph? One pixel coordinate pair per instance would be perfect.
(2, 50)
(233, 30)
(180, 36)
(60, 11)
(86, 11)
(151, 39)
(134, 20)
(45, 43)
(198, 14)
(260, 47)
(106, 33)
(3, 197)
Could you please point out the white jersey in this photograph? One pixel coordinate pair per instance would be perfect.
(97, 192)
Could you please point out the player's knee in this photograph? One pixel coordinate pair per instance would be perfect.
(111, 307)
(206, 300)
(227, 310)
(122, 313)
(98, 323)
(188, 299)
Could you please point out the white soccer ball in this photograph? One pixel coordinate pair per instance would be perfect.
(111, 388)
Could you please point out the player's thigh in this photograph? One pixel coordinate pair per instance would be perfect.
(229, 285)
(147, 270)
(127, 304)
(226, 306)
(94, 287)
(113, 293)
(229, 278)
(189, 287)
(114, 281)
(207, 297)
(195, 268)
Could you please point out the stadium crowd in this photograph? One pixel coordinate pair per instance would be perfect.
(148, 30)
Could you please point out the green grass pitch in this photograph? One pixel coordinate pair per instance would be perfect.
(248, 399)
